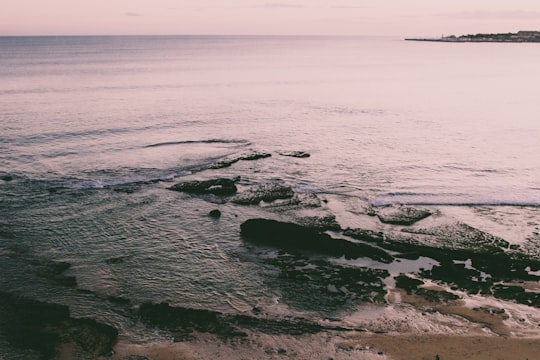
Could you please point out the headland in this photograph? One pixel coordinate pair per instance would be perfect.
(519, 37)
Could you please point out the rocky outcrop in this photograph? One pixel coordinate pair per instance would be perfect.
(246, 157)
(45, 328)
(289, 236)
(220, 186)
(320, 223)
(296, 154)
(183, 322)
(335, 286)
(265, 192)
(401, 215)
(467, 259)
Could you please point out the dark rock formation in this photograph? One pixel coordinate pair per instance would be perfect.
(216, 214)
(468, 259)
(44, 327)
(518, 294)
(401, 215)
(412, 286)
(54, 271)
(289, 236)
(298, 201)
(247, 157)
(182, 322)
(364, 235)
(335, 286)
(265, 192)
(219, 186)
(296, 154)
(7, 178)
(321, 223)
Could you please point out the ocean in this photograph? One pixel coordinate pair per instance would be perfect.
(95, 129)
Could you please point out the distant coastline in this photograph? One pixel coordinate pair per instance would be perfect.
(519, 37)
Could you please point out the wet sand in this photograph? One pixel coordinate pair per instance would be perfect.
(362, 346)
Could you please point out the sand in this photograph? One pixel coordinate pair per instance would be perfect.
(361, 346)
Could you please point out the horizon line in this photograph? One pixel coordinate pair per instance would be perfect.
(206, 35)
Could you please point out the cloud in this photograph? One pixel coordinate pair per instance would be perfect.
(492, 15)
(129, 13)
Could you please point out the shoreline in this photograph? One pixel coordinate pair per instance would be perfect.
(359, 346)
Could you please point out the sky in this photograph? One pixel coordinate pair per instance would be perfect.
(260, 17)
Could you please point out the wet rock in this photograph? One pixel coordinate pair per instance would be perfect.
(184, 321)
(44, 327)
(467, 258)
(247, 157)
(401, 215)
(265, 192)
(321, 223)
(298, 201)
(296, 154)
(215, 214)
(7, 178)
(407, 283)
(220, 186)
(365, 235)
(54, 271)
(92, 336)
(518, 294)
(462, 236)
(335, 287)
(291, 236)
(412, 286)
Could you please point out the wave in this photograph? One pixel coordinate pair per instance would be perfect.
(524, 198)
(209, 141)
(88, 184)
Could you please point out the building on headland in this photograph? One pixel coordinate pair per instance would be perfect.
(520, 36)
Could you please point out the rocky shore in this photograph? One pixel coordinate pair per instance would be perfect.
(418, 284)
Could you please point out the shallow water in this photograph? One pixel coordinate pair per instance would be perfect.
(385, 122)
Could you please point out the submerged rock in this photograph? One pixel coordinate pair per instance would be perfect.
(54, 271)
(296, 154)
(7, 178)
(216, 214)
(220, 186)
(401, 215)
(291, 236)
(365, 235)
(182, 322)
(321, 223)
(335, 286)
(298, 201)
(44, 327)
(265, 192)
(467, 259)
(247, 157)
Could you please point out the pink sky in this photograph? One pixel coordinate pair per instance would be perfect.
(303, 17)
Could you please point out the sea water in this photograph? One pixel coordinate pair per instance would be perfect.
(94, 129)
